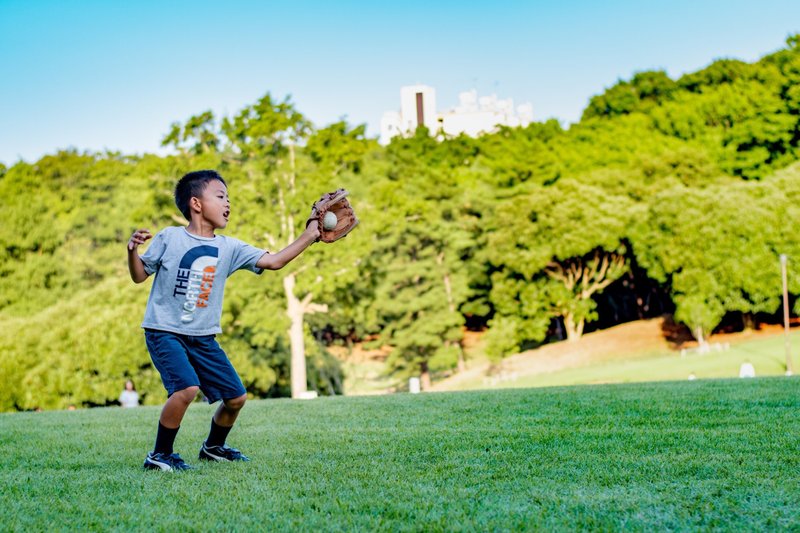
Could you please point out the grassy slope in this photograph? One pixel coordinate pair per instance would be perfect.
(703, 454)
(632, 352)
(766, 354)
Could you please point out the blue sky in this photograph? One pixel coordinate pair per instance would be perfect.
(112, 74)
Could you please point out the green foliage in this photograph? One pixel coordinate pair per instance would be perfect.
(693, 179)
(266, 128)
(718, 248)
(646, 89)
(719, 73)
(746, 114)
(553, 249)
(198, 133)
(522, 313)
(62, 215)
(423, 244)
(78, 351)
(338, 148)
(516, 156)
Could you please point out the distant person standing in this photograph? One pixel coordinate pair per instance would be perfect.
(129, 397)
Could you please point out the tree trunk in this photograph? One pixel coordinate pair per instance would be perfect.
(424, 377)
(749, 321)
(462, 365)
(294, 309)
(701, 340)
(574, 329)
(451, 305)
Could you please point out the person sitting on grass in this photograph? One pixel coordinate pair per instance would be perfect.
(183, 312)
(129, 397)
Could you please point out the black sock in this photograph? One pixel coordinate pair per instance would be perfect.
(165, 438)
(218, 434)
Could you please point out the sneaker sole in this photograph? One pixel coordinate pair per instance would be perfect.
(155, 465)
(205, 456)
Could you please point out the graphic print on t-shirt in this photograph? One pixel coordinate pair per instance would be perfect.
(195, 279)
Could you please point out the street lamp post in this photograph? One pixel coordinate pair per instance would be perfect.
(789, 369)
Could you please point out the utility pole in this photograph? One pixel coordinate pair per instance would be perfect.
(789, 369)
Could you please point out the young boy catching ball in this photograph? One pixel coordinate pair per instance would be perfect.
(191, 265)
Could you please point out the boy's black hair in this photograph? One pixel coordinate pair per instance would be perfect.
(192, 185)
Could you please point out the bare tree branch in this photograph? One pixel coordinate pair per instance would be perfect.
(306, 299)
(611, 266)
(310, 309)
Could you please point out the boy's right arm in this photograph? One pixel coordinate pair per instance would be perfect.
(135, 264)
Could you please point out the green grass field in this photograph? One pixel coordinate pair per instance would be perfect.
(710, 454)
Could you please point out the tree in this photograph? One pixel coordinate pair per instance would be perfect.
(422, 249)
(264, 137)
(646, 89)
(567, 242)
(518, 156)
(199, 132)
(282, 175)
(338, 148)
(716, 255)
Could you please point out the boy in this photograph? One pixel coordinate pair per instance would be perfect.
(183, 311)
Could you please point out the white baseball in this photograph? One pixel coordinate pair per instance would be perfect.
(330, 220)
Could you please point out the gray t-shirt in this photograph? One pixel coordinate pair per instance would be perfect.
(186, 296)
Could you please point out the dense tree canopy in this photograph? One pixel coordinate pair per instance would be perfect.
(687, 186)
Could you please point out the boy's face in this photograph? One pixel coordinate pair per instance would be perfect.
(216, 207)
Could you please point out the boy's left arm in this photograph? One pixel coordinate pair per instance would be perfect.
(280, 259)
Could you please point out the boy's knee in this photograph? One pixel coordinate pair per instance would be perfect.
(235, 403)
(188, 394)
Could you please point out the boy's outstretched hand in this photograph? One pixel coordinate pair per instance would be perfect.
(139, 237)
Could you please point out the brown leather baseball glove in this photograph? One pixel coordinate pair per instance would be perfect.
(334, 215)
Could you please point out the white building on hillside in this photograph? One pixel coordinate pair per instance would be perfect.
(417, 107)
(472, 116)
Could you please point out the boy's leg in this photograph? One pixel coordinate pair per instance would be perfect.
(171, 416)
(169, 354)
(219, 381)
(223, 420)
(214, 448)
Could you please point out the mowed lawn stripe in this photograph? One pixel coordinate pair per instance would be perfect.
(676, 455)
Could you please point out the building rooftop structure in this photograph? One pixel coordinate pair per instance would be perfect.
(472, 116)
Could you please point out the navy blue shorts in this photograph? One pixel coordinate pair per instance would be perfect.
(188, 361)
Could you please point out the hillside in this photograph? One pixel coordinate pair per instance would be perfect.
(636, 351)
